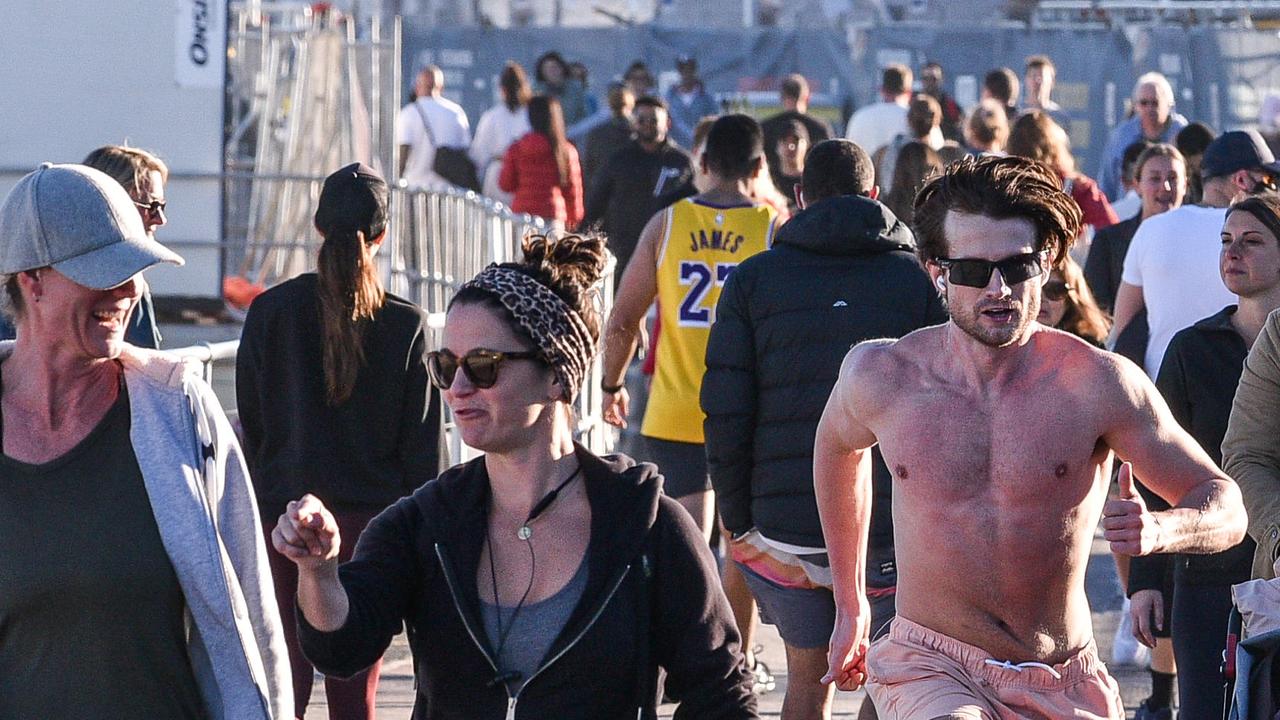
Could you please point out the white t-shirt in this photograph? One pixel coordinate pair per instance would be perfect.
(875, 126)
(449, 128)
(1174, 259)
(498, 128)
(1127, 206)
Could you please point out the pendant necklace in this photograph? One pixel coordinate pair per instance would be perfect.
(525, 532)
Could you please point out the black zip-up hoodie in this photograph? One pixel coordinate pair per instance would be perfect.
(652, 598)
(1198, 378)
(841, 271)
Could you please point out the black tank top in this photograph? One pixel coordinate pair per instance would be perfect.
(92, 618)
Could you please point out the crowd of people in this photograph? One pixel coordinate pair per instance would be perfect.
(887, 405)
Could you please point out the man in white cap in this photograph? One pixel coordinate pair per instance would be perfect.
(136, 578)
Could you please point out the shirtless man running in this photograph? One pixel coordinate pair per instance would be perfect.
(999, 433)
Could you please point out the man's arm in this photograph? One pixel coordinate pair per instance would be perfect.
(1207, 514)
(636, 291)
(403, 156)
(1251, 448)
(842, 486)
(1129, 302)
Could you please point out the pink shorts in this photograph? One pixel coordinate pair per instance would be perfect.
(915, 673)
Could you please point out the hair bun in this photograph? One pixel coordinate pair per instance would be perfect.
(569, 264)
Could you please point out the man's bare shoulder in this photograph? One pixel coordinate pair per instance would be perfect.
(1095, 370)
(885, 358)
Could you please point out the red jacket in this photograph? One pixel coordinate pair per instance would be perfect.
(1093, 204)
(529, 172)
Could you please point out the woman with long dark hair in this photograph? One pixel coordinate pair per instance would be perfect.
(1067, 304)
(334, 397)
(917, 162)
(538, 580)
(541, 169)
(499, 127)
(555, 79)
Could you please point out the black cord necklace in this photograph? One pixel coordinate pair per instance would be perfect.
(524, 533)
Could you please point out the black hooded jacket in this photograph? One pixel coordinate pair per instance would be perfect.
(652, 598)
(843, 270)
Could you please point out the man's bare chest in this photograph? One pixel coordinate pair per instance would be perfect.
(1026, 447)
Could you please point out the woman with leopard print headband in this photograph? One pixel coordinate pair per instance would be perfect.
(538, 580)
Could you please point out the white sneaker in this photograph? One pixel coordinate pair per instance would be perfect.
(1125, 648)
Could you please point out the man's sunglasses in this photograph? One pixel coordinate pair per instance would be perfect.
(977, 273)
(155, 207)
(1266, 183)
(480, 366)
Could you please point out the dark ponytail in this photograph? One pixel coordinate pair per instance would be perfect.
(352, 216)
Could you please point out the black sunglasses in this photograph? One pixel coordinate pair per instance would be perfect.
(480, 366)
(1267, 183)
(154, 207)
(976, 273)
(1055, 290)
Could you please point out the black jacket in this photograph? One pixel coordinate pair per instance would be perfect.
(647, 569)
(1105, 264)
(601, 143)
(630, 188)
(1198, 379)
(362, 455)
(840, 272)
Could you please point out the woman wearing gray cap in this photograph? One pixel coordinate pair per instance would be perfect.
(540, 580)
(135, 583)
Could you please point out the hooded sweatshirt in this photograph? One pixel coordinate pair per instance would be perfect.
(652, 598)
(843, 270)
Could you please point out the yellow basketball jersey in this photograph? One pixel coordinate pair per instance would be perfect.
(703, 244)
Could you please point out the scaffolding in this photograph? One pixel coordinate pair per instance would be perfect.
(308, 92)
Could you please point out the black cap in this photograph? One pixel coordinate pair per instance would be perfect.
(1237, 150)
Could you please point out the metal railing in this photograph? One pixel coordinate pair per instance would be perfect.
(439, 240)
(436, 241)
(209, 354)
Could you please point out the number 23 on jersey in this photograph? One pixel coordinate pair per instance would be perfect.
(699, 277)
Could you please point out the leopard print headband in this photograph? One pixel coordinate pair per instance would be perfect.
(557, 329)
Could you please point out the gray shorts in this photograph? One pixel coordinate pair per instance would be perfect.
(805, 617)
(683, 465)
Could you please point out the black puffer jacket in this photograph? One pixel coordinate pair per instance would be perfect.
(652, 599)
(840, 272)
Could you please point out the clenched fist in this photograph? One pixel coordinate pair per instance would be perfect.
(307, 533)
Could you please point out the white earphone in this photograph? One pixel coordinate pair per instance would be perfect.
(942, 284)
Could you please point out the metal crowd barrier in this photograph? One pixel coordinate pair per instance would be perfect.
(209, 354)
(438, 240)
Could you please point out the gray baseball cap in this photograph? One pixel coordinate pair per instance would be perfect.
(80, 221)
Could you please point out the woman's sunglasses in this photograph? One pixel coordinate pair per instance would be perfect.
(480, 366)
(1055, 290)
(977, 273)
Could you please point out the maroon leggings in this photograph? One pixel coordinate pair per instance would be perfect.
(351, 699)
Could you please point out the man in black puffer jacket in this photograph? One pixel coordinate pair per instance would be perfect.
(843, 270)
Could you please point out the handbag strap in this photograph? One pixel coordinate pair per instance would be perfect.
(425, 124)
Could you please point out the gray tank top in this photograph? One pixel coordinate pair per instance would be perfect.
(536, 627)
